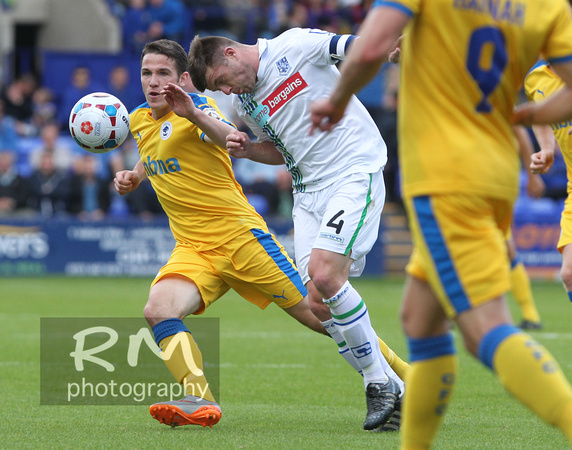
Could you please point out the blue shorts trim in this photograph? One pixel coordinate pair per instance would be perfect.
(440, 254)
(273, 250)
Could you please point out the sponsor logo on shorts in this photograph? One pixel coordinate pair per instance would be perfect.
(281, 296)
(332, 237)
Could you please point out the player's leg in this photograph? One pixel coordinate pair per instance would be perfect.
(302, 313)
(431, 378)
(566, 270)
(329, 271)
(464, 257)
(349, 214)
(526, 369)
(564, 246)
(172, 297)
(323, 312)
(521, 289)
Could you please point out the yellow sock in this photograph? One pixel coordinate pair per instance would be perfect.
(430, 382)
(522, 292)
(399, 366)
(530, 373)
(186, 366)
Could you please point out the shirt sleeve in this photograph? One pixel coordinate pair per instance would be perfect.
(208, 106)
(324, 48)
(558, 48)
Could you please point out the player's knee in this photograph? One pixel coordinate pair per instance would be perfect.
(151, 313)
(566, 274)
(325, 281)
(409, 321)
(157, 310)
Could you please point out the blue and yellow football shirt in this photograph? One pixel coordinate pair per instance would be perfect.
(193, 179)
(463, 63)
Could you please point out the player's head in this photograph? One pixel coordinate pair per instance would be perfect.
(162, 62)
(221, 64)
(171, 50)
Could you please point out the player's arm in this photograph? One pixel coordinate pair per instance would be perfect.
(542, 161)
(379, 33)
(534, 185)
(341, 43)
(556, 108)
(126, 181)
(239, 145)
(215, 130)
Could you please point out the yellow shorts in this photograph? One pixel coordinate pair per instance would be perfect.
(565, 225)
(460, 248)
(254, 264)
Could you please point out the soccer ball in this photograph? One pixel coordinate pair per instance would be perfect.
(99, 122)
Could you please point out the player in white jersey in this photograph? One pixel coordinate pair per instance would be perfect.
(338, 183)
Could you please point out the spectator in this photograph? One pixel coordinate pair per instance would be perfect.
(53, 144)
(258, 183)
(323, 14)
(276, 13)
(17, 97)
(135, 23)
(8, 135)
(49, 188)
(13, 187)
(167, 20)
(44, 108)
(285, 197)
(141, 202)
(120, 86)
(90, 196)
(81, 85)
(297, 17)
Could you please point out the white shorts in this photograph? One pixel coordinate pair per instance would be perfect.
(342, 218)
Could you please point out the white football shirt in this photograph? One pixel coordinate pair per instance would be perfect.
(296, 68)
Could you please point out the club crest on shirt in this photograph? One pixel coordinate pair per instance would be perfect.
(166, 130)
(210, 111)
(283, 66)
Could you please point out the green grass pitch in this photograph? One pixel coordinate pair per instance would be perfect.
(282, 386)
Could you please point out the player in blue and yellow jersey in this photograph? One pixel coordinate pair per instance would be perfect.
(519, 279)
(463, 64)
(221, 242)
(540, 83)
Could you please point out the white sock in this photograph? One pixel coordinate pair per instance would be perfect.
(343, 348)
(352, 321)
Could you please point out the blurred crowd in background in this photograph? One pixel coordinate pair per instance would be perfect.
(43, 172)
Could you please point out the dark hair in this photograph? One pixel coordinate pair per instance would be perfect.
(204, 53)
(170, 49)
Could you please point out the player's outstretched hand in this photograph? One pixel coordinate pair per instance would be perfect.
(179, 100)
(126, 181)
(324, 115)
(541, 161)
(238, 144)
